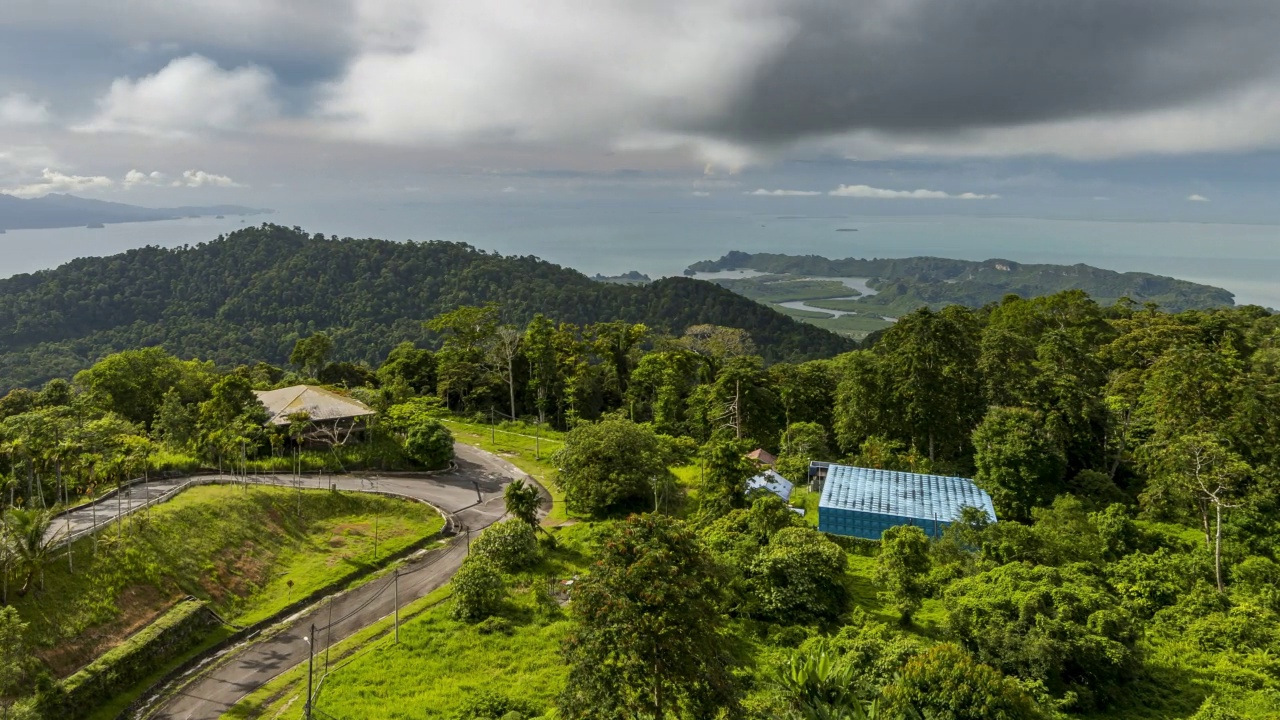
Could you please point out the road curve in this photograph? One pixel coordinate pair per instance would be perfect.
(245, 668)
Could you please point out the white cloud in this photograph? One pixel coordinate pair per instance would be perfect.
(188, 96)
(783, 193)
(134, 178)
(1197, 198)
(700, 193)
(52, 181)
(621, 75)
(22, 109)
(508, 189)
(200, 178)
(875, 193)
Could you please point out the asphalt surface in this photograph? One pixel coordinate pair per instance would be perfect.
(239, 671)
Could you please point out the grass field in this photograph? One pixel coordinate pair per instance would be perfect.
(523, 445)
(439, 662)
(249, 554)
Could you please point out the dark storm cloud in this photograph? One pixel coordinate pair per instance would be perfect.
(939, 65)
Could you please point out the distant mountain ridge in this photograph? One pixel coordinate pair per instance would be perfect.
(59, 211)
(248, 297)
(903, 283)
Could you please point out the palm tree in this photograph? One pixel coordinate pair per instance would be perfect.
(8, 559)
(28, 531)
(522, 500)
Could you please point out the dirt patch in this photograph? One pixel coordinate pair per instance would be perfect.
(352, 529)
(236, 573)
(337, 542)
(139, 606)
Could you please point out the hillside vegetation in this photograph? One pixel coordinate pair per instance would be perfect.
(250, 295)
(904, 284)
(249, 553)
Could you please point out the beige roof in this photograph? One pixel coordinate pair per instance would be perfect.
(318, 403)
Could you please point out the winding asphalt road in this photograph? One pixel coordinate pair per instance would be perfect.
(220, 684)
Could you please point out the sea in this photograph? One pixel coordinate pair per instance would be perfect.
(1243, 258)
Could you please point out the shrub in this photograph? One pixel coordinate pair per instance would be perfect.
(608, 466)
(945, 682)
(494, 625)
(478, 589)
(430, 443)
(1061, 626)
(511, 545)
(488, 705)
(902, 567)
(799, 576)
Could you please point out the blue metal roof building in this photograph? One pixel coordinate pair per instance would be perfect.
(864, 502)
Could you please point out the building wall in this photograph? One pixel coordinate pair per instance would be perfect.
(871, 526)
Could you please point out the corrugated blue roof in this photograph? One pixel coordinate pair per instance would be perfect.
(902, 494)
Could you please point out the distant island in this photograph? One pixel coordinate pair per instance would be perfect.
(635, 277)
(856, 296)
(64, 211)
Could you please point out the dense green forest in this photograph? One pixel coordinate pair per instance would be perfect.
(904, 284)
(250, 295)
(1133, 456)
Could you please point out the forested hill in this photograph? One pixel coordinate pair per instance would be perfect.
(249, 296)
(916, 281)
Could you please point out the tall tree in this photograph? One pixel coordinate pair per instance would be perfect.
(467, 331)
(540, 353)
(725, 472)
(502, 352)
(648, 639)
(1199, 469)
(1017, 461)
(901, 568)
(311, 353)
(932, 360)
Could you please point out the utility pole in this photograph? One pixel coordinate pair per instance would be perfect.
(479, 497)
(328, 636)
(375, 538)
(311, 656)
(397, 620)
(468, 542)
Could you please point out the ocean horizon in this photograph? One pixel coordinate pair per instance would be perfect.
(1242, 258)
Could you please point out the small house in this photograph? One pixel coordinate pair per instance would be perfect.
(773, 482)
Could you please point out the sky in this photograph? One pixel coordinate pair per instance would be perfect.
(1069, 109)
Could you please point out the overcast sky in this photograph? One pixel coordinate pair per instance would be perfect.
(1077, 108)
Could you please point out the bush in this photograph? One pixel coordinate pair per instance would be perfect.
(945, 682)
(608, 466)
(511, 545)
(799, 576)
(494, 625)
(488, 705)
(478, 589)
(430, 443)
(1061, 626)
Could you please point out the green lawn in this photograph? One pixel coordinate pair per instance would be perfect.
(248, 553)
(520, 445)
(446, 660)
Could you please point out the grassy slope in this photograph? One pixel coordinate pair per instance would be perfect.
(517, 444)
(249, 554)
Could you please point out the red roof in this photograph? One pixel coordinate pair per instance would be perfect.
(762, 456)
